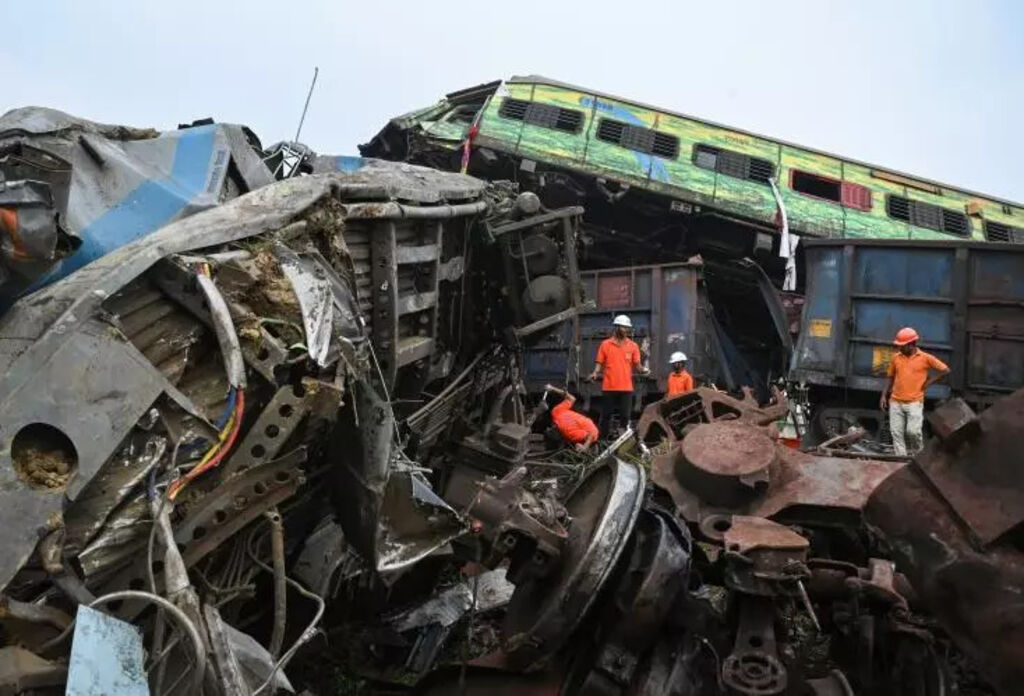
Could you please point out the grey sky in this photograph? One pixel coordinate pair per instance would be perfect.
(935, 87)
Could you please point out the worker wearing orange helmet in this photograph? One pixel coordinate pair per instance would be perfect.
(907, 381)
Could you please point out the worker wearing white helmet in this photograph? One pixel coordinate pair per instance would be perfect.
(679, 380)
(617, 358)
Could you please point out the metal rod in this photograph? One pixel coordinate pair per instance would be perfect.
(309, 95)
(280, 588)
(379, 211)
(807, 604)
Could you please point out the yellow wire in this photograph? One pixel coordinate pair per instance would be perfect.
(210, 453)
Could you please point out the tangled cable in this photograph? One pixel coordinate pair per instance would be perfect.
(225, 441)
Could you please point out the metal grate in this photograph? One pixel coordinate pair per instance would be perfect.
(610, 131)
(666, 146)
(998, 232)
(955, 222)
(929, 216)
(760, 169)
(706, 157)
(569, 120)
(734, 164)
(898, 208)
(638, 138)
(925, 215)
(513, 108)
(543, 115)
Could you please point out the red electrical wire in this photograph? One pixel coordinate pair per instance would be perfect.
(180, 484)
(239, 409)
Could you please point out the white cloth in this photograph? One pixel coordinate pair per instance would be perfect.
(787, 241)
(906, 419)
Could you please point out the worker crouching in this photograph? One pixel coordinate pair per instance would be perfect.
(575, 428)
(907, 381)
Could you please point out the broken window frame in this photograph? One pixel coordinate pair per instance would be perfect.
(738, 165)
(638, 138)
(530, 113)
(849, 195)
(927, 215)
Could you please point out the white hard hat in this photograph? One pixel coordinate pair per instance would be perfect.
(622, 320)
(678, 356)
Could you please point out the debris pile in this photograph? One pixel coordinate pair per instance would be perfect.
(285, 444)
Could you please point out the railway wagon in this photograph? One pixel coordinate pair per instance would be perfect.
(726, 317)
(965, 299)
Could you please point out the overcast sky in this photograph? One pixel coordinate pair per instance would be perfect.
(931, 87)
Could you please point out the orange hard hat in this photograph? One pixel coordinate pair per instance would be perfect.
(906, 335)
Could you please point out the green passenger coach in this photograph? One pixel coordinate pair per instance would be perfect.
(615, 153)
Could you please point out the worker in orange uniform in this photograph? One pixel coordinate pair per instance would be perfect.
(679, 380)
(575, 428)
(617, 357)
(908, 380)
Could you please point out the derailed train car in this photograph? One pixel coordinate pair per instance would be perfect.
(246, 359)
(299, 420)
(75, 190)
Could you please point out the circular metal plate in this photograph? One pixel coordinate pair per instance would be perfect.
(728, 448)
(543, 613)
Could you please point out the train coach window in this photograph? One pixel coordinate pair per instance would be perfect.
(998, 232)
(637, 138)
(543, 115)
(842, 192)
(817, 186)
(928, 216)
(733, 163)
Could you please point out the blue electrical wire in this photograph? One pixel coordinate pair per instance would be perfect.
(228, 409)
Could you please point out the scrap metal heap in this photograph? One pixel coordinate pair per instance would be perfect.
(291, 430)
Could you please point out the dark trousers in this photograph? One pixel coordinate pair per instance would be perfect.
(613, 402)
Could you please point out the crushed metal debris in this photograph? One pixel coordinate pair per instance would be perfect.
(271, 423)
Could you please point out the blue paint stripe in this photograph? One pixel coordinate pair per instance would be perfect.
(348, 163)
(147, 208)
(647, 163)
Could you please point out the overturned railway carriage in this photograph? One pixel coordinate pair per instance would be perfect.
(657, 183)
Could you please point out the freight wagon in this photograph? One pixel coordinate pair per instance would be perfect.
(726, 317)
(965, 299)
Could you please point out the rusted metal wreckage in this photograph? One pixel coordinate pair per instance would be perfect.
(288, 438)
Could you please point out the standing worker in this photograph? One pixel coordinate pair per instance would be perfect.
(679, 380)
(574, 427)
(617, 357)
(908, 380)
